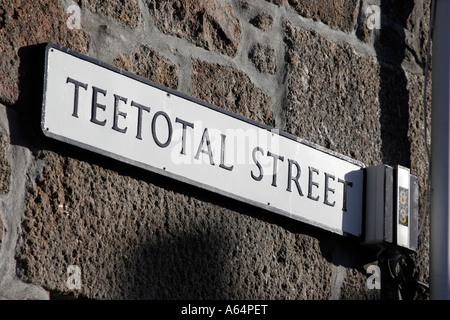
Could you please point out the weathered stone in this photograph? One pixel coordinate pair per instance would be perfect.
(394, 115)
(362, 30)
(263, 21)
(355, 287)
(263, 57)
(333, 95)
(26, 23)
(133, 239)
(149, 64)
(418, 26)
(403, 30)
(1, 231)
(206, 23)
(388, 19)
(232, 90)
(5, 168)
(420, 167)
(125, 11)
(4, 18)
(337, 14)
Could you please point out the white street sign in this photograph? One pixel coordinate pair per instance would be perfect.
(106, 110)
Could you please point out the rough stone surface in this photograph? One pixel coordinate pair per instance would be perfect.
(403, 32)
(417, 28)
(337, 14)
(420, 167)
(26, 23)
(331, 81)
(263, 57)
(232, 90)
(332, 94)
(389, 39)
(125, 11)
(263, 21)
(377, 103)
(150, 64)
(5, 168)
(166, 244)
(207, 23)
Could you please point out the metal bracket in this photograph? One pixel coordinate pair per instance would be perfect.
(391, 207)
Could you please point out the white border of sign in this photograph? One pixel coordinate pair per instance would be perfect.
(325, 175)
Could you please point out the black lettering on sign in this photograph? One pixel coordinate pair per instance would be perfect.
(222, 154)
(169, 129)
(96, 105)
(75, 96)
(345, 184)
(328, 189)
(295, 179)
(118, 113)
(140, 107)
(312, 183)
(205, 138)
(185, 124)
(257, 178)
(275, 166)
(318, 182)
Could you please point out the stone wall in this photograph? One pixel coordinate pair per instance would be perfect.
(312, 69)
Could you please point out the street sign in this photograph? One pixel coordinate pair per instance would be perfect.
(104, 109)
